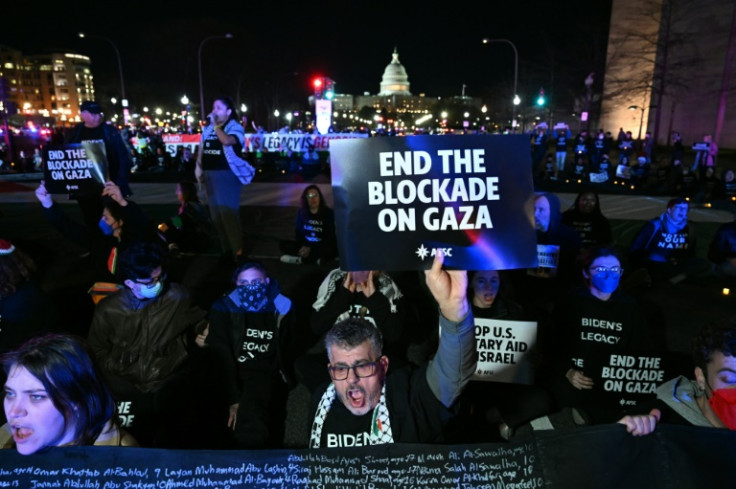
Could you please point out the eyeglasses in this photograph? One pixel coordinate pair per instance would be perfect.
(312, 194)
(151, 281)
(250, 282)
(362, 370)
(601, 269)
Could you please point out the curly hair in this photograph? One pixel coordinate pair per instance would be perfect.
(351, 332)
(715, 336)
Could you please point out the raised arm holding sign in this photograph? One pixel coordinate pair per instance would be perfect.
(365, 406)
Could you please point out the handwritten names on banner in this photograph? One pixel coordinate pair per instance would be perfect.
(675, 456)
(385, 466)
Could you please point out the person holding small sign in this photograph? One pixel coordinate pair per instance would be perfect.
(315, 231)
(590, 326)
(121, 222)
(362, 405)
(497, 403)
(56, 396)
(94, 129)
(222, 187)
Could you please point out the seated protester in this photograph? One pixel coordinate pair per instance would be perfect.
(572, 347)
(25, 309)
(250, 326)
(371, 295)
(56, 396)
(606, 167)
(685, 182)
(710, 187)
(722, 250)
(142, 336)
(315, 240)
(729, 185)
(710, 399)
(122, 222)
(662, 173)
(365, 405)
(586, 217)
(639, 171)
(580, 168)
(489, 408)
(190, 231)
(665, 246)
(549, 172)
(557, 248)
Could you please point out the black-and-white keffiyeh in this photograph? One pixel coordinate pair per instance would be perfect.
(336, 277)
(380, 424)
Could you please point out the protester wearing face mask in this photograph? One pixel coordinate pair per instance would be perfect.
(142, 336)
(592, 323)
(251, 327)
(710, 399)
(122, 222)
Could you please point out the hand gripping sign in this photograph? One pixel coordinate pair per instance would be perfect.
(397, 199)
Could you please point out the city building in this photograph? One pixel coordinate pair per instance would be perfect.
(53, 84)
(670, 66)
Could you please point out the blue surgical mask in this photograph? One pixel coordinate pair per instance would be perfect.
(106, 229)
(606, 282)
(150, 292)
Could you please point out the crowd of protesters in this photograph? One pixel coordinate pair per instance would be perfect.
(189, 373)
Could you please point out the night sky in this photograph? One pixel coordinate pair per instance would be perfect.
(279, 47)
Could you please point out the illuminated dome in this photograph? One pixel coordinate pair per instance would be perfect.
(395, 81)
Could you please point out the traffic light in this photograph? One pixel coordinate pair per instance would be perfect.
(540, 99)
(318, 85)
(329, 88)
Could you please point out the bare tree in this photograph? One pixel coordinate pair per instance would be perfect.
(662, 59)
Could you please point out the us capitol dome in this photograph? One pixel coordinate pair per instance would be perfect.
(395, 81)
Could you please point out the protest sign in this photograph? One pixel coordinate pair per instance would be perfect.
(627, 378)
(79, 168)
(173, 142)
(397, 199)
(503, 350)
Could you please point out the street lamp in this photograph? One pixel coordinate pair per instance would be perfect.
(120, 69)
(199, 65)
(517, 100)
(641, 118)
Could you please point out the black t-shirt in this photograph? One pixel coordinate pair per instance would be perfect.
(344, 429)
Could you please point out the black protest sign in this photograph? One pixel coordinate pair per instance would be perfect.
(397, 199)
(627, 378)
(75, 168)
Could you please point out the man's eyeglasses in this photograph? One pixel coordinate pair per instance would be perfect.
(601, 269)
(341, 372)
(311, 195)
(151, 281)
